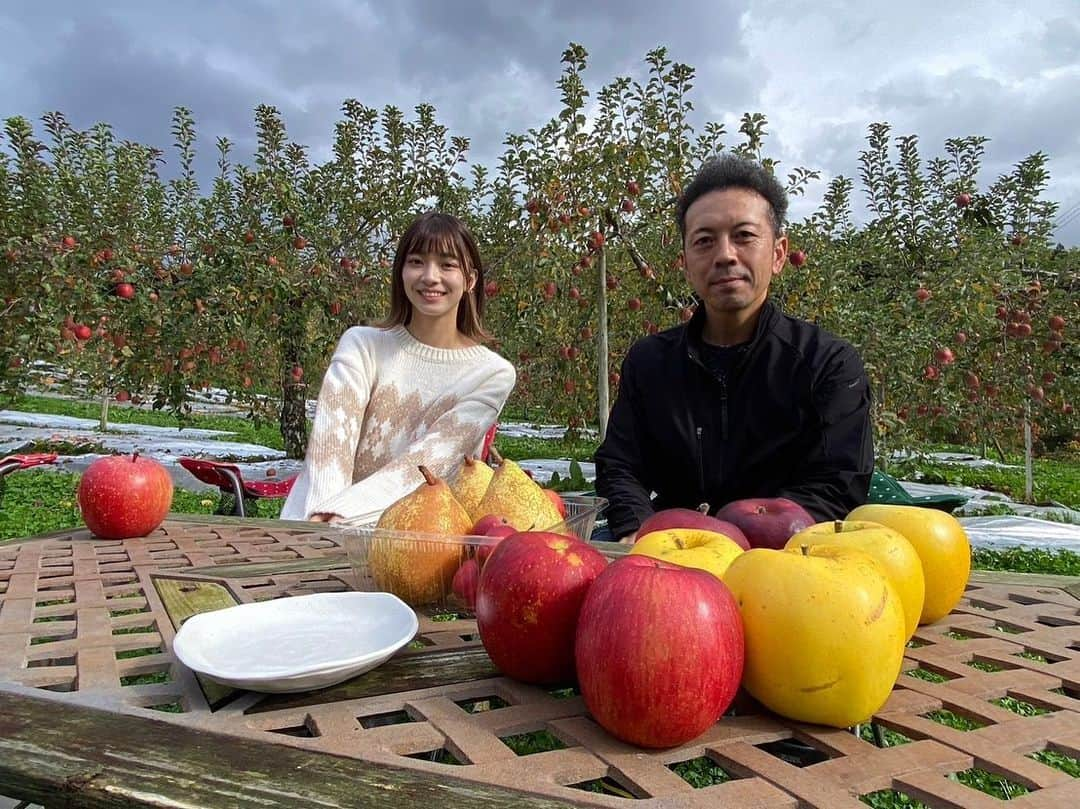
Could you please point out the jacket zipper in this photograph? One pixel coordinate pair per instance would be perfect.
(700, 462)
(723, 411)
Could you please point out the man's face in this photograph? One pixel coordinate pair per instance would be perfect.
(731, 252)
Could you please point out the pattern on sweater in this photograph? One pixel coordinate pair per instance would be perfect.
(393, 419)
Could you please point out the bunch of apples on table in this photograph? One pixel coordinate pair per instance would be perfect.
(478, 501)
(811, 620)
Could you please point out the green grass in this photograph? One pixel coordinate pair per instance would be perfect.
(521, 448)
(700, 772)
(538, 741)
(37, 502)
(992, 784)
(891, 799)
(1027, 560)
(1052, 758)
(1056, 479)
(1018, 706)
(952, 720)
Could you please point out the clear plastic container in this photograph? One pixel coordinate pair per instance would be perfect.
(420, 568)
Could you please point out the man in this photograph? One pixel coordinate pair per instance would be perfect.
(743, 400)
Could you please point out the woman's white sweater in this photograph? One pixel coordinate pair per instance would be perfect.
(389, 403)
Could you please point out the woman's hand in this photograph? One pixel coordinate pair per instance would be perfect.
(326, 518)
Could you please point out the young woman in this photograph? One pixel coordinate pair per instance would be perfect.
(418, 388)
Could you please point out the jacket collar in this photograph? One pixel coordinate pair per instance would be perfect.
(692, 339)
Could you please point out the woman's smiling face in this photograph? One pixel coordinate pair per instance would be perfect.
(434, 284)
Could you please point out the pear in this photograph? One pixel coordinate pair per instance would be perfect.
(420, 569)
(517, 497)
(470, 483)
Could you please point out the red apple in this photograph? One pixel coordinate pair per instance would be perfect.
(82, 332)
(659, 651)
(527, 604)
(532, 206)
(768, 522)
(465, 582)
(797, 258)
(124, 496)
(633, 188)
(125, 290)
(944, 356)
(922, 294)
(491, 289)
(1056, 323)
(627, 206)
(690, 518)
(491, 525)
(596, 240)
(634, 304)
(961, 338)
(963, 200)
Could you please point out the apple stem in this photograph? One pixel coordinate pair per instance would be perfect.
(429, 476)
(469, 460)
(495, 456)
(805, 550)
(703, 508)
(838, 526)
(134, 456)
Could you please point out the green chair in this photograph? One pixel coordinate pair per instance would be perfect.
(886, 489)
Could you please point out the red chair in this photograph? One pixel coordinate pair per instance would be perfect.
(15, 463)
(238, 496)
(489, 439)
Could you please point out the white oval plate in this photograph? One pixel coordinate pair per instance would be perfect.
(296, 644)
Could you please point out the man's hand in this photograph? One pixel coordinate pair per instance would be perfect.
(326, 518)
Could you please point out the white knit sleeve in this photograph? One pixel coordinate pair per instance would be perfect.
(335, 433)
(442, 448)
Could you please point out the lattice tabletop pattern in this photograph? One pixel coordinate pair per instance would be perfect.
(991, 693)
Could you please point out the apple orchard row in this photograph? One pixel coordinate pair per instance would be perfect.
(963, 309)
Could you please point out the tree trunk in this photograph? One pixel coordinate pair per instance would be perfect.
(602, 345)
(103, 422)
(293, 420)
(293, 416)
(1029, 478)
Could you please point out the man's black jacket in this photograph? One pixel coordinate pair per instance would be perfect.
(792, 420)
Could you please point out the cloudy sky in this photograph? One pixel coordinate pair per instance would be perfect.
(821, 71)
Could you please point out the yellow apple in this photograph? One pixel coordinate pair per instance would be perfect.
(890, 548)
(690, 547)
(824, 632)
(941, 543)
